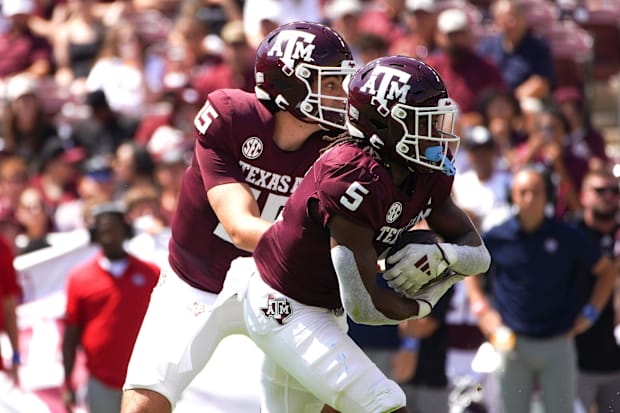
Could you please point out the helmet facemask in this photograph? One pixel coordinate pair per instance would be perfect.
(428, 137)
(322, 105)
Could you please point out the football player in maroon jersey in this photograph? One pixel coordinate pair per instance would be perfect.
(393, 170)
(252, 150)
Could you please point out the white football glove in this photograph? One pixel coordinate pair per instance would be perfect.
(414, 265)
(428, 296)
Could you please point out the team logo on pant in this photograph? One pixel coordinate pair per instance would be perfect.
(277, 308)
(196, 308)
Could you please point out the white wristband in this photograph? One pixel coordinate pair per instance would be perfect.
(466, 260)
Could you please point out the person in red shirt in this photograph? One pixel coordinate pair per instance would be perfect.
(107, 298)
(9, 297)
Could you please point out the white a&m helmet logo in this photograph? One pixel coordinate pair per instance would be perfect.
(394, 212)
(252, 148)
(387, 83)
(292, 45)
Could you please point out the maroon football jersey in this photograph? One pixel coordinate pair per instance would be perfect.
(293, 256)
(234, 144)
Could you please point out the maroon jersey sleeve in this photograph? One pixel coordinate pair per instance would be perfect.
(351, 186)
(215, 151)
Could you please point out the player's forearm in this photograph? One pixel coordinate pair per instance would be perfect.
(70, 344)
(10, 321)
(357, 300)
(604, 285)
(246, 233)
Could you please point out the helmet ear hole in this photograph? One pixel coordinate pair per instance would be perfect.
(402, 148)
(307, 107)
(303, 72)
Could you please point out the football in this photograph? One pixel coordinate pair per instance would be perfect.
(416, 236)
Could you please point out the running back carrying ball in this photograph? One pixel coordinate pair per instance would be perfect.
(418, 236)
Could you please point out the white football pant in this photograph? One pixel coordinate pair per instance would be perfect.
(313, 348)
(181, 330)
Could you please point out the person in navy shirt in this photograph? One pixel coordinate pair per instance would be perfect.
(525, 60)
(537, 268)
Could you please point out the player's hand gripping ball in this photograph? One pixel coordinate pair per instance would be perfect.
(415, 260)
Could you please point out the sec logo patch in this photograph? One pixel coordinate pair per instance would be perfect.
(252, 148)
(394, 212)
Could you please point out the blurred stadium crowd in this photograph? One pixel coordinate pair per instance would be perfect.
(98, 100)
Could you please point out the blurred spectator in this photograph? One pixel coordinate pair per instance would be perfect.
(537, 267)
(20, 49)
(423, 350)
(584, 138)
(383, 18)
(465, 73)
(26, 126)
(171, 153)
(186, 52)
(95, 185)
(9, 298)
(151, 228)
(548, 145)
(260, 17)
(525, 60)
(213, 14)
(107, 298)
(77, 42)
(370, 47)
(598, 353)
(166, 7)
(483, 190)
(177, 110)
(343, 16)
(132, 165)
(420, 17)
(58, 172)
(35, 221)
(235, 71)
(105, 130)
(122, 71)
(14, 179)
(501, 115)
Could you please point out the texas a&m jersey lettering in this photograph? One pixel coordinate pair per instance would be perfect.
(389, 235)
(273, 183)
(270, 181)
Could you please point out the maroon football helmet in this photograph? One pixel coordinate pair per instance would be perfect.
(291, 63)
(401, 106)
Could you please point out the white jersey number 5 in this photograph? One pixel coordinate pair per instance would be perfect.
(205, 117)
(353, 196)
